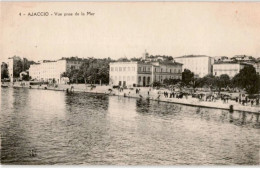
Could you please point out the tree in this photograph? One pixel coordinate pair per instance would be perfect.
(223, 81)
(28, 65)
(156, 84)
(4, 74)
(123, 60)
(103, 74)
(93, 70)
(4, 70)
(248, 79)
(65, 74)
(73, 75)
(209, 81)
(25, 77)
(136, 59)
(187, 76)
(168, 58)
(18, 68)
(197, 82)
(171, 81)
(85, 71)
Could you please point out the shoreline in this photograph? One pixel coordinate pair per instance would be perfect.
(152, 96)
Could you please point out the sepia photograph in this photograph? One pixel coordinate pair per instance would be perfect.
(130, 84)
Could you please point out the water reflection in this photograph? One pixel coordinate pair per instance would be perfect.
(49, 127)
(155, 108)
(119, 109)
(162, 109)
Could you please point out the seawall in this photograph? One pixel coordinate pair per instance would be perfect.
(143, 93)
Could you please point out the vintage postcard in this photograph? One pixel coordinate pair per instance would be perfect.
(130, 83)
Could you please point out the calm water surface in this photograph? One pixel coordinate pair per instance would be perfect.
(50, 127)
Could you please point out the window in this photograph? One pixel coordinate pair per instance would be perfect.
(128, 68)
(128, 78)
(116, 69)
(139, 68)
(120, 68)
(148, 68)
(112, 68)
(170, 70)
(161, 70)
(124, 68)
(179, 71)
(133, 78)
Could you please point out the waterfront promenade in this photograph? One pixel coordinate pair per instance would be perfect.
(146, 93)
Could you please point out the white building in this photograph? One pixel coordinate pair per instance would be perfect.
(51, 71)
(11, 63)
(142, 73)
(167, 70)
(200, 65)
(231, 69)
(123, 73)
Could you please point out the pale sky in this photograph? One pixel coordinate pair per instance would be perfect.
(120, 29)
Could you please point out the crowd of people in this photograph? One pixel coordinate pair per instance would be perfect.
(213, 97)
(244, 100)
(201, 96)
(178, 95)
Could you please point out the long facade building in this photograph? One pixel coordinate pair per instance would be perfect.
(200, 65)
(229, 68)
(133, 74)
(51, 71)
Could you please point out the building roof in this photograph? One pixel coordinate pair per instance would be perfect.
(170, 63)
(46, 61)
(149, 62)
(72, 59)
(125, 62)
